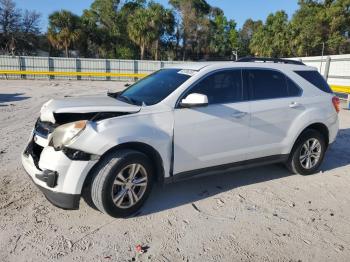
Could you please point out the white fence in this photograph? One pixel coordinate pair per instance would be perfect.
(337, 68)
(57, 64)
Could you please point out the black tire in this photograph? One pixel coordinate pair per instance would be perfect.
(104, 176)
(294, 163)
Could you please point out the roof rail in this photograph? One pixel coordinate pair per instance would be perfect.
(273, 60)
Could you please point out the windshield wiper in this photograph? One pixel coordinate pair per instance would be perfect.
(128, 100)
(125, 99)
(113, 94)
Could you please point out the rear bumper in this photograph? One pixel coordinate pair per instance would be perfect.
(333, 128)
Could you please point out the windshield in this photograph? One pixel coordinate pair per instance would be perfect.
(155, 87)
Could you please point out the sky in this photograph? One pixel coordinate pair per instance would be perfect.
(239, 10)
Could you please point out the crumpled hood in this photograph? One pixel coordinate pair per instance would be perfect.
(91, 104)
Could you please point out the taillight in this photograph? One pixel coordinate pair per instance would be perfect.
(336, 103)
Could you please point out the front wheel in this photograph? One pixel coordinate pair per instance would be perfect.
(122, 183)
(308, 153)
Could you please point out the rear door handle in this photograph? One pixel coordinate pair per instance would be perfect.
(294, 105)
(239, 115)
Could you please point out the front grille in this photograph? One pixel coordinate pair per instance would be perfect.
(43, 129)
(34, 150)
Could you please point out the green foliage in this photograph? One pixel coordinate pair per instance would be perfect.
(224, 35)
(138, 29)
(272, 38)
(162, 22)
(204, 30)
(191, 30)
(64, 30)
(316, 23)
(19, 29)
(201, 6)
(245, 36)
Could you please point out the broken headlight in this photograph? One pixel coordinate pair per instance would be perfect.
(64, 134)
(77, 155)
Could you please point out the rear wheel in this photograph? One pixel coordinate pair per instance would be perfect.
(122, 183)
(308, 153)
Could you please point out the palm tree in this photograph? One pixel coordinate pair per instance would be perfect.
(63, 30)
(162, 23)
(139, 29)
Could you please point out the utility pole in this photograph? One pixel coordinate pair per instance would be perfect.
(235, 54)
(323, 46)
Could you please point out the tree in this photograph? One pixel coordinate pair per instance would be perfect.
(148, 25)
(193, 29)
(245, 36)
(316, 23)
(339, 24)
(273, 38)
(10, 18)
(129, 49)
(19, 31)
(63, 30)
(194, 24)
(30, 22)
(162, 23)
(105, 14)
(223, 35)
(139, 29)
(307, 28)
(200, 5)
(27, 38)
(104, 29)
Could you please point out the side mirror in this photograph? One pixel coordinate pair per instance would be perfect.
(127, 85)
(194, 100)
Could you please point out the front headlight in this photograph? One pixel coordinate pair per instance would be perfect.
(64, 134)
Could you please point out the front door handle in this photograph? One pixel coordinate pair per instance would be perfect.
(294, 105)
(239, 115)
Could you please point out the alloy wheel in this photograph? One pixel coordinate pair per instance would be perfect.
(310, 153)
(129, 186)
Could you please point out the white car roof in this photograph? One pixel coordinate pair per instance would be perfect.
(219, 65)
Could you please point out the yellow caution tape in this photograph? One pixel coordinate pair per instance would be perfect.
(49, 73)
(341, 89)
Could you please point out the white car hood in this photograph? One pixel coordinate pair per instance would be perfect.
(89, 104)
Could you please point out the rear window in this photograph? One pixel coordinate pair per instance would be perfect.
(316, 79)
(265, 84)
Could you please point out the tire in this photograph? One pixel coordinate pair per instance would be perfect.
(112, 189)
(298, 161)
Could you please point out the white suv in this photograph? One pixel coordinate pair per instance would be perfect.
(179, 123)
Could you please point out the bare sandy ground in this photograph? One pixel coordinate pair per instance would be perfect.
(261, 214)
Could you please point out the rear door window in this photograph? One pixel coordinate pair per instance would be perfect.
(265, 84)
(316, 79)
(293, 88)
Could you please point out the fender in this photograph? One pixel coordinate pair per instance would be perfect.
(153, 130)
(303, 121)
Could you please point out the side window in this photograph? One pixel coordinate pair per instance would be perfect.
(221, 87)
(316, 79)
(265, 84)
(293, 89)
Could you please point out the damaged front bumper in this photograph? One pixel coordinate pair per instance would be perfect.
(58, 177)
